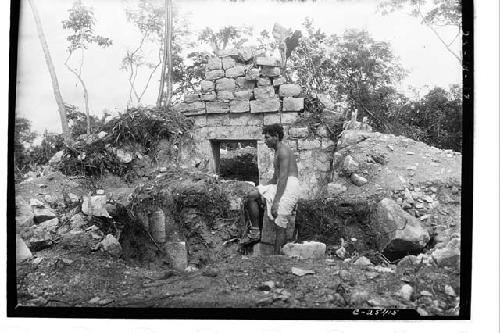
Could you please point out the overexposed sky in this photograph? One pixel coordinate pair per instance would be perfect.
(420, 52)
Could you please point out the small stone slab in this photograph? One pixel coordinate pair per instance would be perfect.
(279, 81)
(217, 107)
(290, 90)
(236, 71)
(263, 82)
(191, 98)
(239, 106)
(265, 105)
(209, 97)
(293, 104)
(214, 63)
(225, 84)
(264, 92)
(228, 63)
(252, 74)
(243, 83)
(225, 96)
(207, 85)
(194, 108)
(243, 95)
(214, 75)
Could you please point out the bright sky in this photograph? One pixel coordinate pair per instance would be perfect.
(420, 52)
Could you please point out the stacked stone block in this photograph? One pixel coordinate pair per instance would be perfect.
(243, 81)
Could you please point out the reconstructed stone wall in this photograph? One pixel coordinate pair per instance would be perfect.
(242, 91)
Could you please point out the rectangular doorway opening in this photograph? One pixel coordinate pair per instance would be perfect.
(236, 159)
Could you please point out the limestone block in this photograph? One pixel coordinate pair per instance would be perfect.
(298, 132)
(236, 71)
(272, 118)
(244, 119)
(227, 53)
(265, 105)
(293, 104)
(279, 81)
(252, 74)
(239, 106)
(191, 98)
(243, 83)
(214, 75)
(396, 230)
(263, 82)
(268, 61)
(290, 90)
(225, 95)
(228, 63)
(22, 251)
(264, 92)
(194, 108)
(214, 63)
(303, 144)
(207, 85)
(289, 117)
(199, 120)
(306, 250)
(270, 71)
(234, 132)
(243, 95)
(225, 84)
(217, 107)
(216, 119)
(209, 97)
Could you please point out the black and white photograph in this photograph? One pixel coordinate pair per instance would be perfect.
(239, 159)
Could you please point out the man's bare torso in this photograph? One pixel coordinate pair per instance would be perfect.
(281, 151)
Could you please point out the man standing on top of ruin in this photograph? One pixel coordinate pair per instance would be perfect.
(283, 190)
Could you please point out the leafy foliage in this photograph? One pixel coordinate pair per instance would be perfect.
(356, 70)
(226, 36)
(81, 22)
(146, 127)
(435, 14)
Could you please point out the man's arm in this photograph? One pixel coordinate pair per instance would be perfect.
(283, 157)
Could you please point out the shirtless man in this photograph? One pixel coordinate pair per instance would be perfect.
(283, 186)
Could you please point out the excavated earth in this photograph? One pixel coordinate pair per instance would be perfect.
(205, 211)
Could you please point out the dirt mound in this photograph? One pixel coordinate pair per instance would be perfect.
(424, 181)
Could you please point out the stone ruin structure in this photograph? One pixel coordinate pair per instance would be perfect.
(242, 91)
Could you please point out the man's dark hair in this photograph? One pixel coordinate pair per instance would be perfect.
(273, 130)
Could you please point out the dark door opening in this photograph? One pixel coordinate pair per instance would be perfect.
(236, 159)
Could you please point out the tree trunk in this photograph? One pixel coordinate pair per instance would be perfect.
(85, 93)
(168, 43)
(52, 71)
(167, 56)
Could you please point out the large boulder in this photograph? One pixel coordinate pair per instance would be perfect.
(41, 235)
(449, 255)
(22, 251)
(111, 245)
(397, 231)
